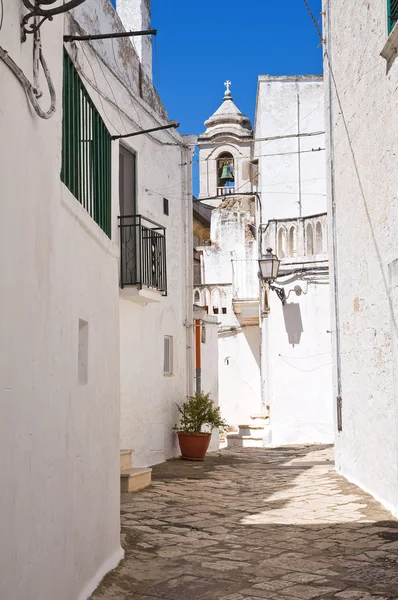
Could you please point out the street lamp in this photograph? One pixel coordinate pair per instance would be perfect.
(269, 268)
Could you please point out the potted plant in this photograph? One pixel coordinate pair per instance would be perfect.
(196, 414)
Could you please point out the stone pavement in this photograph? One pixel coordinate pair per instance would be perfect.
(253, 524)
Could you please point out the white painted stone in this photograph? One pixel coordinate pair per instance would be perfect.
(365, 148)
(136, 16)
(298, 375)
(60, 463)
(295, 345)
(59, 440)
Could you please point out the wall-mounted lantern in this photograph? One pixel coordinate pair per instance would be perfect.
(269, 269)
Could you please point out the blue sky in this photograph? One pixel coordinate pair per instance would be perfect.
(201, 43)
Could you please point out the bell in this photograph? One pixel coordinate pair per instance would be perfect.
(226, 174)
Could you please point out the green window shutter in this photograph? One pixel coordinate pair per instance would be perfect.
(392, 6)
(86, 150)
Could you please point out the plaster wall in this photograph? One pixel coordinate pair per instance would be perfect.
(209, 362)
(366, 216)
(300, 374)
(239, 372)
(285, 107)
(148, 397)
(228, 263)
(136, 16)
(59, 441)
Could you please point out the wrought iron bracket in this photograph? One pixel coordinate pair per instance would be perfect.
(280, 292)
(37, 11)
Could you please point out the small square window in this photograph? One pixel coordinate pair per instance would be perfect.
(168, 355)
(165, 206)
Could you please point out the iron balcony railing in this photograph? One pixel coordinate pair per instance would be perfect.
(142, 253)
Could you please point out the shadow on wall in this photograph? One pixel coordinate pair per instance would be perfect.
(252, 335)
(293, 322)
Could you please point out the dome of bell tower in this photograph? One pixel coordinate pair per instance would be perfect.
(228, 120)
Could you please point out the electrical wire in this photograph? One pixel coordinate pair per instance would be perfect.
(125, 83)
(127, 87)
(30, 90)
(96, 87)
(304, 370)
(1, 13)
(112, 92)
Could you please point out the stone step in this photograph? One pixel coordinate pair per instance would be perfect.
(250, 431)
(244, 441)
(126, 461)
(135, 479)
(259, 417)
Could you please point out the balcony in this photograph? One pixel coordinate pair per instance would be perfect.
(142, 259)
(225, 191)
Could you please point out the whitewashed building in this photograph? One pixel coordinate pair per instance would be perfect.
(267, 188)
(94, 354)
(361, 50)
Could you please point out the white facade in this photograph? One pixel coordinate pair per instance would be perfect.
(292, 186)
(363, 204)
(148, 396)
(59, 437)
(274, 358)
(75, 347)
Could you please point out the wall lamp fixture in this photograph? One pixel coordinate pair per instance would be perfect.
(269, 268)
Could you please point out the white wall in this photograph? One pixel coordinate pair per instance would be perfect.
(238, 342)
(59, 442)
(239, 372)
(365, 147)
(277, 115)
(209, 363)
(148, 397)
(300, 375)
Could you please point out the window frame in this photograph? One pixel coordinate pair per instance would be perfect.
(86, 162)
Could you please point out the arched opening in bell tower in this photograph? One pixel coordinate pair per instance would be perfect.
(225, 174)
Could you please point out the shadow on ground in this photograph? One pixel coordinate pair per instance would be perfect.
(254, 523)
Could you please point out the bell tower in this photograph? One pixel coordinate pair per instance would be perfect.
(224, 148)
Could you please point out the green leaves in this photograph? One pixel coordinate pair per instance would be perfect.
(197, 412)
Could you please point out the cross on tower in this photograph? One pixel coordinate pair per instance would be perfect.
(227, 84)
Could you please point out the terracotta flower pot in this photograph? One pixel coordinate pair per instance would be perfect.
(193, 445)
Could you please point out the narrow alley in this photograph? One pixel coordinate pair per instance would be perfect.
(254, 523)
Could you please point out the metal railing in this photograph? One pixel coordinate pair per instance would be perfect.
(142, 253)
(225, 191)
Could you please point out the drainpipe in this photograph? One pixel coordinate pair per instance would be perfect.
(300, 203)
(198, 356)
(336, 332)
(263, 317)
(188, 267)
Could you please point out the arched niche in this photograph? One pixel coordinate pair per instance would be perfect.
(318, 238)
(291, 242)
(310, 240)
(282, 242)
(225, 173)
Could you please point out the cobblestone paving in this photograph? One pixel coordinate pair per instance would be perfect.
(254, 524)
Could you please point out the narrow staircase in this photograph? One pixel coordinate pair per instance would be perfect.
(132, 479)
(255, 434)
